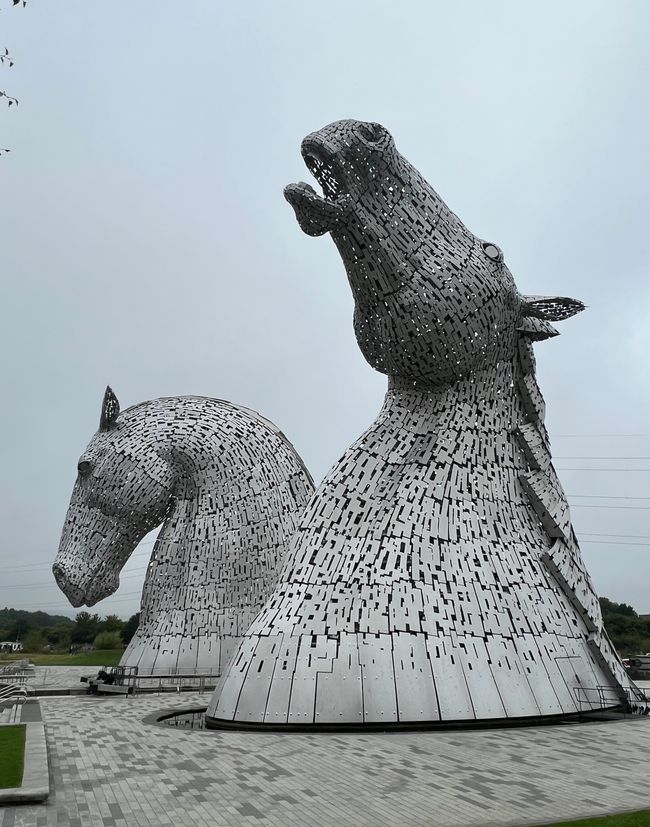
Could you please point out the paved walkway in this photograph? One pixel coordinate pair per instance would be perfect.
(112, 770)
(60, 677)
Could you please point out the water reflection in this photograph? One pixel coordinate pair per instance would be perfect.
(189, 719)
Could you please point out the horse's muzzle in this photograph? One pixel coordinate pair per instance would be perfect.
(73, 592)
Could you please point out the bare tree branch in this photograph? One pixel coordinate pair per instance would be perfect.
(7, 60)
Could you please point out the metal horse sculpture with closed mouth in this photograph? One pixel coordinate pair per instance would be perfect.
(435, 576)
(228, 488)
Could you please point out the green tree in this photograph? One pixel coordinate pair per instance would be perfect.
(609, 607)
(629, 633)
(130, 627)
(112, 623)
(85, 628)
(58, 635)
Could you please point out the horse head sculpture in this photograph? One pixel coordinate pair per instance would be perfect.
(435, 575)
(433, 302)
(123, 490)
(228, 488)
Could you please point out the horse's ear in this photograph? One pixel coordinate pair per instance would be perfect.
(110, 410)
(550, 308)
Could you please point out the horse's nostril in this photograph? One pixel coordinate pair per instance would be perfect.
(70, 588)
(59, 575)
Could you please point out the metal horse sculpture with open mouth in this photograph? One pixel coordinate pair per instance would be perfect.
(228, 488)
(435, 576)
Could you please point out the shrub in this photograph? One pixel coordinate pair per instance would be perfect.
(108, 640)
(34, 641)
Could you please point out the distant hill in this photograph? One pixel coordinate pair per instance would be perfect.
(40, 631)
(10, 619)
(629, 632)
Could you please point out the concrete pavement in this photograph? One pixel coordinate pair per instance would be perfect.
(110, 769)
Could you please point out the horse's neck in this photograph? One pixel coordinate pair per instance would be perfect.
(193, 554)
(195, 504)
(457, 438)
(486, 403)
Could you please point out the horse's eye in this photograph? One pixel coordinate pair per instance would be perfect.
(492, 251)
(370, 131)
(84, 467)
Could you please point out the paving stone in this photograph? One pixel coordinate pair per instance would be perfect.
(473, 778)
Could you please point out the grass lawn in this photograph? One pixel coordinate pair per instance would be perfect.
(101, 657)
(638, 819)
(12, 755)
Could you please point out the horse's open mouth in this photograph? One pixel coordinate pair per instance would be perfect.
(318, 214)
(321, 163)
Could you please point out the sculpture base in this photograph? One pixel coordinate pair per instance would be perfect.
(606, 713)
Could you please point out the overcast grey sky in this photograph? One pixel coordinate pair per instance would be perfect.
(146, 243)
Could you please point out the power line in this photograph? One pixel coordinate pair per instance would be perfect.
(614, 543)
(600, 534)
(627, 507)
(139, 552)
(602, 469)
(53, 582)
(68, 606)
(129, 595)
(136, 553)
(140, 573)
(583, 457)
(606, 497)
(49, 564)
(589, 436)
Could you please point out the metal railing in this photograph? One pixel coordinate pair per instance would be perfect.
(12, 696)
(601, 698)
(176, 679)
(17, 672)
(158, 679)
